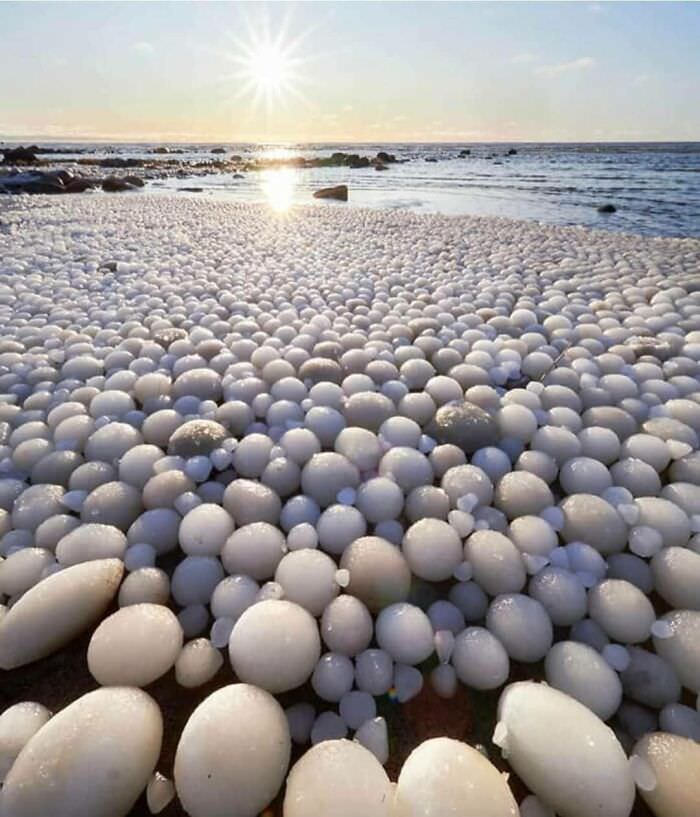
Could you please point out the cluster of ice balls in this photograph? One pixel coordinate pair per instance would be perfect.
(363, 452)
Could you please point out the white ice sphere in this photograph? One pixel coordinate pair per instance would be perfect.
(470, 599)
(561, 593)
(139, 556)
(338, 526)
(532, 534)
(249, 501)
(467, 479)
(645, 541)
(522, 625)
(676, 574)
(379, 574)
(18, 724)
(374, 671)
(405, 632)
(134, 646)
(319, 783)
(564, 753)
(333, 676)
(669, 782)
(159, 793)
(357, 707)
(622, 610)
(444, 681)
(444, 615)
(233, 595)
(90, 542)
(379, 499)
(360, 446)
(497, 564)
(680, 720)
(275, 645)
(194, 580)
(57, 610)
(445, 776)
(300, 718)
(146, 584)
(532, 806)
(23, 569)
(96, 757)
(650, 679)
(216, 773)
(520, 493)
(197, 663)
(373, 735)
(433, 549)
(679, 644)
(584, 475)
(326, 474)
(308, 578)
(328, 726)
(580, 671)
(480, 659)
(347, 626)
(302, 536)
(668, 519)
(254, 550)
(205, 529)
(588, 518)
(136, 466)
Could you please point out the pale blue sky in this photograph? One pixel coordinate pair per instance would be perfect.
(368, 71)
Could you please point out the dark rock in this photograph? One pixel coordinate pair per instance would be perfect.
(161, 150)
(511, 152)
(465, 425)
(20, 154)
(191, 189)
(339, 192)
(386, 158)
(118, 162)
(238, 176)
(430, 159)
(114, 185)
(218, 150)
(108, 266)
(380, 166)
(607, 208)
(356, 162)
(197, 438)
(135, 180)
(33, 182)
(80, 185)
(465, 152)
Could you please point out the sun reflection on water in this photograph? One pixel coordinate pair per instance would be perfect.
(279, 186)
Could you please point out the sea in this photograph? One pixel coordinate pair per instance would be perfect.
(654, 187)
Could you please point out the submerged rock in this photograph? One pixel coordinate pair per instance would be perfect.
(607, 208)
(339, 192)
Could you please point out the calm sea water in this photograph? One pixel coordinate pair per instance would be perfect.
(654, 186)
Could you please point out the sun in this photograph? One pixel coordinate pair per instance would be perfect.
(268, 68)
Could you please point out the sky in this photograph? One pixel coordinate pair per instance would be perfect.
(350, 71)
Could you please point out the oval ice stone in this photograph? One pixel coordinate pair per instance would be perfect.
(56, 610)
(95, 757)
(135, 645)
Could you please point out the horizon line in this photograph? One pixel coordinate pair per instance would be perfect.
(125, 141)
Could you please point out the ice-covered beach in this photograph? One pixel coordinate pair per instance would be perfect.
(345, 473)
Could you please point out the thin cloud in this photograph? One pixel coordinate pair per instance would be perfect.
(525, 57)
(143, 47)
(580, 64)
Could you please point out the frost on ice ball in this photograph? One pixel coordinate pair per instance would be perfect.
(57, 610)
(18, 724)
(96, 757)
(563, 752)
(275, 645)
(668, 779)
(233, 753)
(134, 646)
(446, 776)
(320, 783)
